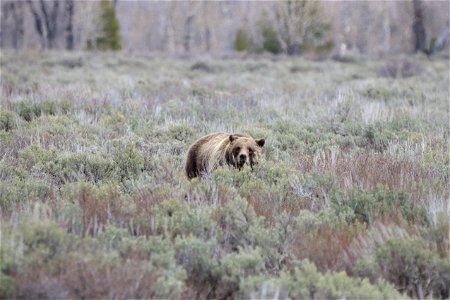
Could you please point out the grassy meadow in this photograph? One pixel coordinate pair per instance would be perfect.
(350, 199)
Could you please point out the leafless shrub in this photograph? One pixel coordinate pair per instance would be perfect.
(366, 168)
(78, 278)
(202, 66)
(400, 69)
(325, 245)
(368, 240)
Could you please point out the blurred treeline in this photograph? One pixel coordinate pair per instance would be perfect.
(290, 27)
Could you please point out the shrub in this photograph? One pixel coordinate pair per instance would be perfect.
(410, 266)
(34, 156)
(235, 268)
(181, 132)
(72, 167)
(44, 241)
(115, 120)
(201, 66)
(270, 40)
(305, 282)
(129, 161)
(201, 263)
(67, 167)
(16, 192)
(55, 265)
(439, 231)
(8, 264)
(364, 206)
(400, 69)
(175, 218)
(100, 205)
(159, 253)
(323, 239)
(29, 110)
(241, 42)
(7, 120)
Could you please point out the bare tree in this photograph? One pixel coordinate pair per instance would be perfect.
(386, 29)
(69, 24)
(419, 27)
(299, 25)
(37, 23)
(45, 18)
(207, 28)
(188, 33)
(12, 24)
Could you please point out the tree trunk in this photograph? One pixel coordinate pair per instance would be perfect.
(45, 20)
(207, 39)
(37, 22)
(69, 26)
(50, 19)
(3, 25)
(386, 29)
(420, 44)
(187, 34)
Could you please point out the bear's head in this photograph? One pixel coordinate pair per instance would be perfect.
(244, 150)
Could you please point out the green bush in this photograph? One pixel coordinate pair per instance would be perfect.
(68, 167)
(44, 241)
(305, 282)
(410, 266)
(181, 132)
(129, 161)
(236, 267)
(241, 41)
(362, 206)
(71, 261)
(7, 120)
(29, 110)
(175, 218)
(34, 156)
(72, 167)
(160, 254)
(7, 287)
(16, 192)
(9, 266)
(270, 40)
(201, 263)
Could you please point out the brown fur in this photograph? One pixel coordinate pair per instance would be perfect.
(217, 149)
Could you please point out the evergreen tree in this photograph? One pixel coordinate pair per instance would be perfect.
(109, 38)
(241, 42)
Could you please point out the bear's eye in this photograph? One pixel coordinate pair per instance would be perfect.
(238, 149)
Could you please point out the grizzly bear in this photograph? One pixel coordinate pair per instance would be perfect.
(217, 149)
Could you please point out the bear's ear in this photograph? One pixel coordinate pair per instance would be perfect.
(261, 142)
(232, 137)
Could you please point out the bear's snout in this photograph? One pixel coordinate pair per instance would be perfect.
(242, 158)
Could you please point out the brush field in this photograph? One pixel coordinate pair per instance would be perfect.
(350, 200)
